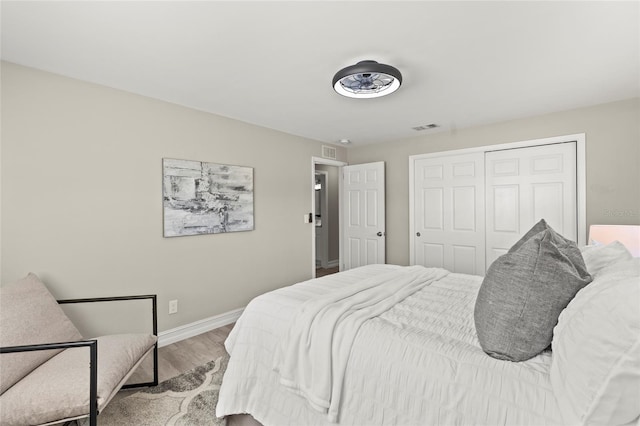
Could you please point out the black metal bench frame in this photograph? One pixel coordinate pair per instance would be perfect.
(92, 344)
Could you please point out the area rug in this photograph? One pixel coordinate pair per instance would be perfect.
(186, 400)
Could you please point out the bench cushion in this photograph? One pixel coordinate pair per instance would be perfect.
(29, 315)
(59, 388)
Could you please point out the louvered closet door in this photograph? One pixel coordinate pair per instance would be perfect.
(449, 213)
(525, 185)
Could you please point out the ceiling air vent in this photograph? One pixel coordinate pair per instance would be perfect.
(425, 127)
(329, 152)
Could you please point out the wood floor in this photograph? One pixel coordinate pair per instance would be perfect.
(182, 356)
(321, 272)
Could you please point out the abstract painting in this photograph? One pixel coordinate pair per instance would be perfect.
(206, 198)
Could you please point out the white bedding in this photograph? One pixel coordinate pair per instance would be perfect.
(417, 363)
(315, 352)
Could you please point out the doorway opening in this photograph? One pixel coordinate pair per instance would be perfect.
(326, 205)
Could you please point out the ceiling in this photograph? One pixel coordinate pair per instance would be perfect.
(271, 63)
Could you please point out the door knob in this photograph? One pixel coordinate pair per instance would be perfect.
(379, 234)
(417, 234)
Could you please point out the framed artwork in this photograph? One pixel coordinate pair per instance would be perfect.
(206, 198)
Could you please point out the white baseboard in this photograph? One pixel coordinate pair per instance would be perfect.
(198, 327)
(333, 263)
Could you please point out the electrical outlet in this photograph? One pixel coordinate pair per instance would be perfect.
(173, 306)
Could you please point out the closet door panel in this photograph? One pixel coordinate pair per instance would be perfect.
(464, 259)
(433, 208)
(464, 208)
(432, 255)
(449, 212)
(525, 185)
(506, 208)
(468, 209)
(547, 202)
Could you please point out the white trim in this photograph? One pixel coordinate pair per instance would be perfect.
(333, 263)
(324, 214)
(578, 137)
(412, 228)
(581, 177)
(581, 172)
(197, 327)
(340, 219)
(325, 161)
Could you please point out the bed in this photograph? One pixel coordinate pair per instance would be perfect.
(396, 345)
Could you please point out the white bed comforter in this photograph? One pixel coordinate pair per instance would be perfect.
(418, 362)
(315, 352)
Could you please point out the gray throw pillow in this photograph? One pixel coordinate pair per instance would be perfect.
(524, 292)
(536, 229)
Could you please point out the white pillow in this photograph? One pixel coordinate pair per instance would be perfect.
(599, 256)
(595, 369)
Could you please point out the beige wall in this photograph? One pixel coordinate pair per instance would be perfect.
(82, 197)
(81, 190)
(612, 149)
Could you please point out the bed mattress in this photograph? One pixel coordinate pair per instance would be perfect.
(417, 363)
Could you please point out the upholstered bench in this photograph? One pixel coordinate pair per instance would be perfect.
(48, 372)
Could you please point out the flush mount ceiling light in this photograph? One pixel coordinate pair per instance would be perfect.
(367, 79)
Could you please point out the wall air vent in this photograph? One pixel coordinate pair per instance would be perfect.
(329, 152)
(425, 127)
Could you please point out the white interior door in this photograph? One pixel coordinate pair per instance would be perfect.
(363, 215)
(525, 185)
(448, 225)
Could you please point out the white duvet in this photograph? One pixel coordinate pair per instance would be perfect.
(414, 362)
(316, 350)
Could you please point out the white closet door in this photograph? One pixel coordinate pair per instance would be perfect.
(525, 185)
(449, 213)
(364, 214)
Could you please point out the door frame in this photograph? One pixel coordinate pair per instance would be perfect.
(581, 178)
(324, 209)
(326, 162)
